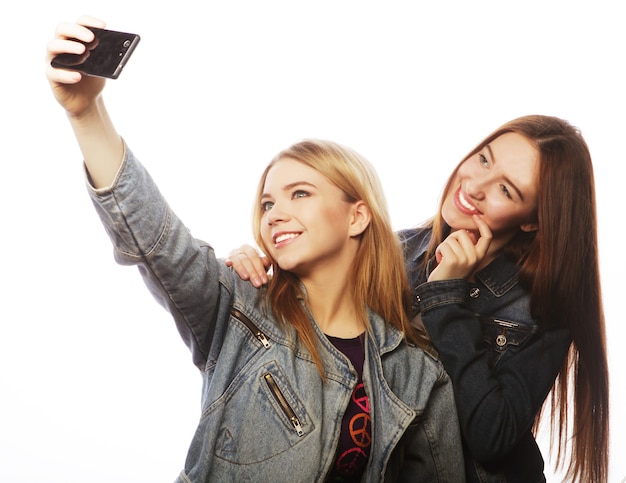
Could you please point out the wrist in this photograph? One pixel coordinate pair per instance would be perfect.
(90, 112)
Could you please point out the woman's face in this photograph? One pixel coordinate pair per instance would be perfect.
(306, 223)
(499, 184)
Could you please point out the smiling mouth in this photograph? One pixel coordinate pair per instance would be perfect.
(283, 238)
(463, 204)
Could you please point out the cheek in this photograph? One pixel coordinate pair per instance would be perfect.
(504, 220)
(332, 215)
(266, 233)
(447, 208)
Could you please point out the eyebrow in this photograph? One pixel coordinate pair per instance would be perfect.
(290, 186)
(506, 178)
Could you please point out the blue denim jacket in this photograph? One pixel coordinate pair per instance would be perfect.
(266, 413)
(502, 364)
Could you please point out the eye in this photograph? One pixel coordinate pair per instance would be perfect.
(482, 159)
(266, 206)
(506, 191)
(300, 194)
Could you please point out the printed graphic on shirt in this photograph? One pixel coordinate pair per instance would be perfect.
(356, 438)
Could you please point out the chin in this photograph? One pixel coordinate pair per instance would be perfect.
(458, 222)
(287, 265)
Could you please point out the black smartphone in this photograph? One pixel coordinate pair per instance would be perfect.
(105, 56)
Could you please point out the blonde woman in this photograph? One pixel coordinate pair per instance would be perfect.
(319, 376)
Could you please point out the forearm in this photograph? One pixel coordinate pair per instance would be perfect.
(101, 145)
(182, 273)
(496, 404)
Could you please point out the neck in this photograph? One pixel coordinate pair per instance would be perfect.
(330, 294)
(333, 306)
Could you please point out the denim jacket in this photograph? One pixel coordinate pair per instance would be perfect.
(266, 414)
(501, 362)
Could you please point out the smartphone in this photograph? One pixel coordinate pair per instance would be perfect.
(105, 56)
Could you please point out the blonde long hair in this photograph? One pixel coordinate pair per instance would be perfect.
(378, 274)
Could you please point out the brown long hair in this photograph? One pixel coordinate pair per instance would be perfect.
(560, 267)
(378, 274)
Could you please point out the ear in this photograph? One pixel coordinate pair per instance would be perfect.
(361, 217)
(528, 227)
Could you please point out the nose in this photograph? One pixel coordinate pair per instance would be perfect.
(475, 188)
(276, 214)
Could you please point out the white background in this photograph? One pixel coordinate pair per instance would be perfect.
(96, 385)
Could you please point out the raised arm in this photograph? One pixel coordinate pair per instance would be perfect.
(182, 273)
(81, 97)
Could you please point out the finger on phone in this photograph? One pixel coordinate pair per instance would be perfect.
(77, 32)
(90, 21)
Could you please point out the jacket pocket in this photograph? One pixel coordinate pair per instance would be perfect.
(259, 418)
(504, 337)
(283, 404)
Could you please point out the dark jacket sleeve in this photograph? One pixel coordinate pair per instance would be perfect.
(496, 405)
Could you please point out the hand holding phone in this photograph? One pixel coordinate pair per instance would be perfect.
(105, 56)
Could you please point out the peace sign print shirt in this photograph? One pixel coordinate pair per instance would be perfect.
(356, 429)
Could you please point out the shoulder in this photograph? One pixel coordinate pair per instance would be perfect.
(412, 235)
(415, 240)
(250, 305)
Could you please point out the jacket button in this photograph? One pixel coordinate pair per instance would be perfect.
(501, 340)
(474, 292)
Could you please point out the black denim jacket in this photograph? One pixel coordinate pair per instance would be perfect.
(502, 363)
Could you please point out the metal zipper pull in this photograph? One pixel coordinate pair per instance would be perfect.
(250, 325)
(282, 402)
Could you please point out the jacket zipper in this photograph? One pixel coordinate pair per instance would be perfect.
(282, 402)
(250, 325)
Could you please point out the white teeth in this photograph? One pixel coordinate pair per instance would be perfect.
(285, 236)
(466, 203)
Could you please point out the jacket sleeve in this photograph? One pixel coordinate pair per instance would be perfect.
(496, 405)
(181, 272)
